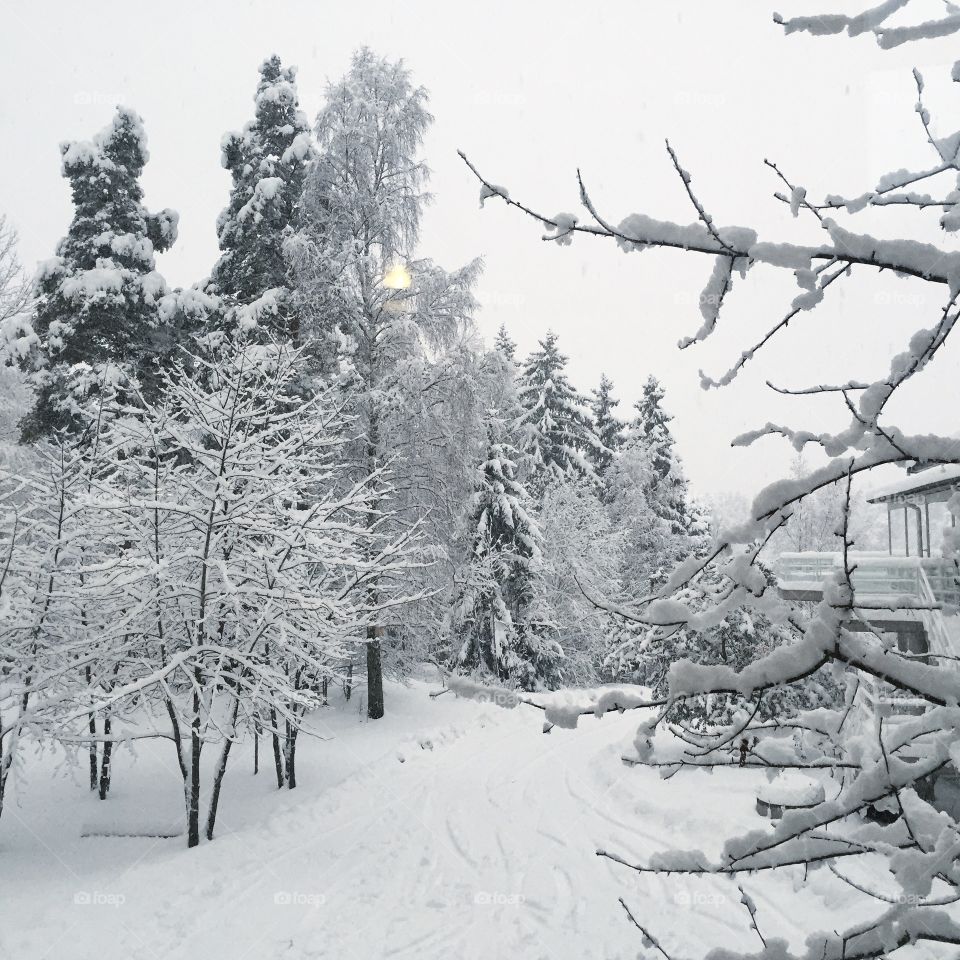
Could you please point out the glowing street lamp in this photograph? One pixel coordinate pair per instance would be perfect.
(397, 278)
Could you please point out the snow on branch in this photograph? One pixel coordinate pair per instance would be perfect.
(872, 20)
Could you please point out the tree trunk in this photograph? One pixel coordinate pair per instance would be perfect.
(323, 690)
(221, 769)
(193, 782)
(374, 665)
(177, 738)
(348, 684)
(277, 758)
(374, 675)
(290, 756)
(106, 769)
(5, 763)
(256, 747)
(92, 727)
(94, 760)
(105, 762)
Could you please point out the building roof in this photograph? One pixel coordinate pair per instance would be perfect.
(931, 480)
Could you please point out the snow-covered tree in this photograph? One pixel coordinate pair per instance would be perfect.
(497, 620)
(399, 321)
(649, 548)
(558, 436)
(816, 521)
(650, 545)
(645, 653)
(249, 567)
(16, 340)
(650, 430)
(96, 316)
(910, 860)
(267, 161)
(726, 509)
(610, 429)
(14, 293)
(583, 556)
(40, 631)
(504, 344)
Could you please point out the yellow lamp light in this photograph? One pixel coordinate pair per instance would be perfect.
(397, 278)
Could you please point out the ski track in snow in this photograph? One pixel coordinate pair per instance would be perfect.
(480, 843)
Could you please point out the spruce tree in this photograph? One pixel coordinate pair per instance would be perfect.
(97, 316)
(495, 620)
(667, 493)
(267, 161)
(504, 344)
(608, 426)
(559, 436)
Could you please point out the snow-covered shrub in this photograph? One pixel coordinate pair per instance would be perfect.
(740, 638)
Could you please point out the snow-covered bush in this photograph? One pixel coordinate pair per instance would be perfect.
(646, 654)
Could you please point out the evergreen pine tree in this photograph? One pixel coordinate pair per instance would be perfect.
(608, 426)
(495, 620)
(560, 437)
(267, 161)
(668, 494)
(97, 313)
(504, 344)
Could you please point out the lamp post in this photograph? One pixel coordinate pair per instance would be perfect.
(396, 280)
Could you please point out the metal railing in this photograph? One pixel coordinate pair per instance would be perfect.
(878, 574)
(916, 587)
(944, 578)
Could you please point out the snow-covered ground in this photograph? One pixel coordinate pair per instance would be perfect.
(450, 829)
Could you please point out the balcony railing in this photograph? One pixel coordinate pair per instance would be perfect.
(878, 574)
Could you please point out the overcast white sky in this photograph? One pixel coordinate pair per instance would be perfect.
(531, 90)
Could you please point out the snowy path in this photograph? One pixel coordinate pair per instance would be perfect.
(481, 843)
